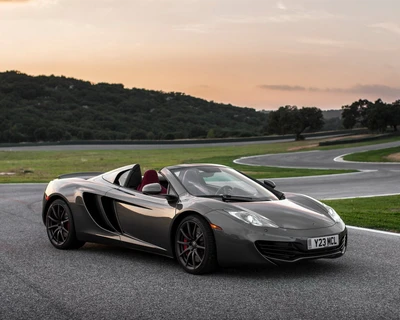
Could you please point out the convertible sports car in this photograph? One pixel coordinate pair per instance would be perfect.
(203, 215)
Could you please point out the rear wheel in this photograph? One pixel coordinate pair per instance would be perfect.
(60, 226)
(195, 246)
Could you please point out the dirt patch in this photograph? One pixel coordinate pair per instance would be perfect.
(303, 147)
(395, 157)
(357, 136)
(7, 173)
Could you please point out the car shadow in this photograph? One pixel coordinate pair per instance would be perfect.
(301, 269)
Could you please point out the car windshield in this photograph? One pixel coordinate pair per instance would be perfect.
(227, 183)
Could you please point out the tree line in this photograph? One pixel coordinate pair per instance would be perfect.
(290, 119)
(376, 116)
(53, 108)
(56, 108)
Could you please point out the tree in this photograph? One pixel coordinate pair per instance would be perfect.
(290, 119)
(85, 134)
(355, 113)
(282, 120)
(377, 116)
(197, 132)
(211, 134)
(138, 134)
(150, 135)
(55, 134)
(40, 134)
(394, 111)
(310, 118)
(169, 136)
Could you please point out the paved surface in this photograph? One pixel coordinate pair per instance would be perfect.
(102, 282)
(38, 281)
(133, 146)
(150, 146)
(374, 178)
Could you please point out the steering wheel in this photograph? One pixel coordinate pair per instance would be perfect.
(224, 190)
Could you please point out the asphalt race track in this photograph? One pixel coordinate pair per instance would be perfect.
(38, 281)
(134, 146)
(373, 178)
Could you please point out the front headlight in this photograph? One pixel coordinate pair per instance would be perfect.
(333, 214)
(252, 218)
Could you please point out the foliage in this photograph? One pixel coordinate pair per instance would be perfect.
(51, 108)
(376, 116)
(354, 114)
(290, 119)
(394, 112)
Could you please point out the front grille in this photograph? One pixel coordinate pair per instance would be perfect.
(293, 251)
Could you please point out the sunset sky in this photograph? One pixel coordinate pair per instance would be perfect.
(252, 53)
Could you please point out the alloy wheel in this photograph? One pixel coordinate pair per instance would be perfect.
(191, 248)
(58, 224)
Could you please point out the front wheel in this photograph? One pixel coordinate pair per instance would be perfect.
(195, 246)
(60, 226)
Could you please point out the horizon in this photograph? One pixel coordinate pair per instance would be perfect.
(263, 56)
(129, 88)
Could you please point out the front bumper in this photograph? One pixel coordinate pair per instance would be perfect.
(239, 244)
(292, 251)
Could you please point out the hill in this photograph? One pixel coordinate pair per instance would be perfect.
(53, 108)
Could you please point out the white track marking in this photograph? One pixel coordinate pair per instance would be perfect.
(375, 231)
(340, 159)
(368, 196)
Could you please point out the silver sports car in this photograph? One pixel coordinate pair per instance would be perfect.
(202, 215)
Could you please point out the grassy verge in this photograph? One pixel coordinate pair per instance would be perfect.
(359, 144)
(373, 155)
(382, 213)
(42, 166)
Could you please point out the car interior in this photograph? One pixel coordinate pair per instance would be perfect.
(133, 179)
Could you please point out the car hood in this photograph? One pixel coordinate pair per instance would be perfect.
(289, 215)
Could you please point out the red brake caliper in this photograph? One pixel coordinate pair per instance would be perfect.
(185, 246)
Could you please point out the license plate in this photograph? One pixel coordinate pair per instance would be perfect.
(322, 242)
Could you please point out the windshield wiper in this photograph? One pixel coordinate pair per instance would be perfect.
(228, 197)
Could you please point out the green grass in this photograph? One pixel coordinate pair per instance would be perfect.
(42, 166)
(373, 155)
(382, 213)
(360, 144)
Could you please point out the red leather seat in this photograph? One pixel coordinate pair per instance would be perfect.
(150, 176)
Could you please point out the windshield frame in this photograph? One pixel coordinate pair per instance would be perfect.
(203, 182)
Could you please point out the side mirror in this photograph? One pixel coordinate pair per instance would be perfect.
(152, 189)
(270, 183)
(171, 198)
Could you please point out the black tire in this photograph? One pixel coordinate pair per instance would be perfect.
(195, 247)
(60, 226)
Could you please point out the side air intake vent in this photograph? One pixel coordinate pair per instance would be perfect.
(109, 209)
(101, 215)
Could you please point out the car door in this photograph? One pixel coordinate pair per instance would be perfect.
(144, 219)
